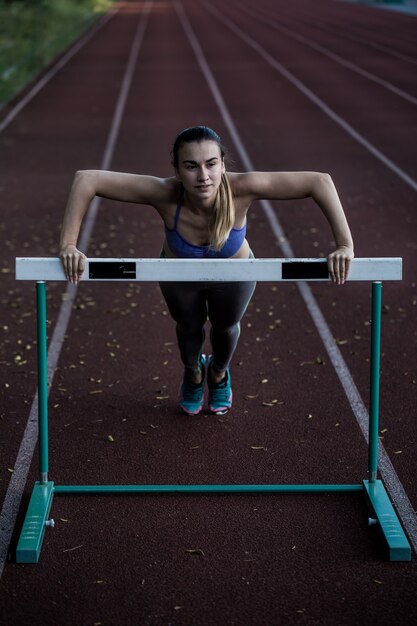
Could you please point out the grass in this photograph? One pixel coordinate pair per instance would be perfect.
(34, 32)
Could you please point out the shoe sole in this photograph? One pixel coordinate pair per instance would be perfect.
(188, 412)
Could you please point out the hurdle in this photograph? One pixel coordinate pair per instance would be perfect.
(374, 270)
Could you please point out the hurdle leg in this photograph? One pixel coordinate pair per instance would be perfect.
(383, 513)
(374, 380)
(36, 520)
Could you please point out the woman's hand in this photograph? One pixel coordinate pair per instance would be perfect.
(338, 263)
(74, 263)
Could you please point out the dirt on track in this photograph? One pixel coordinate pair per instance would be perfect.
(213, 559)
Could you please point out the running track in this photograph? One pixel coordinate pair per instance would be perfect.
(327, 86)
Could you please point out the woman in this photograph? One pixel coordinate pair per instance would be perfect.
(204, 209)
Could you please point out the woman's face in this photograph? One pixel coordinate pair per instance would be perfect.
(200, 168)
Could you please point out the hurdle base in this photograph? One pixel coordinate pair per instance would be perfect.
(392, 534)
(29, 547)
(33, 530)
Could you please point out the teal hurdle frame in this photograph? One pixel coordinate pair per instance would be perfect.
(383, 515)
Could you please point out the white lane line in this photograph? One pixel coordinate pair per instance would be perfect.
(269, 21)
(315, 99)
(17, 483)
(59, 65)
(393, 483)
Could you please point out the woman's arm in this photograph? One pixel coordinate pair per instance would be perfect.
(112, 185)
(295, 185)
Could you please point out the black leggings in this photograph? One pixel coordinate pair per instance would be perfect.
(223, 304)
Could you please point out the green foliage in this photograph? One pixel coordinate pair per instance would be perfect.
(33, 32)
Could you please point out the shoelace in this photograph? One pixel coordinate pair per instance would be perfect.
(191, 390)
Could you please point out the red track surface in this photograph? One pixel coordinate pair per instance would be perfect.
(260, 560)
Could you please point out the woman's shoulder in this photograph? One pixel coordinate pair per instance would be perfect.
(165, 202)
(169, 192)
(243, 183)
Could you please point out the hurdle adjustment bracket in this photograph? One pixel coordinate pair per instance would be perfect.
(386, 520)
(31, 537)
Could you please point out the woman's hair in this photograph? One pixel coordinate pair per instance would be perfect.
(223, 216)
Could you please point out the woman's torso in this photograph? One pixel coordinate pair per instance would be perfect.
(188, 231)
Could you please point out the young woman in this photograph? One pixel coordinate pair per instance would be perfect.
(204, 209)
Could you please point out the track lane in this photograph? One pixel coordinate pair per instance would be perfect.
(400, 80)
(371, 122)
(366, 21)
(153, 558)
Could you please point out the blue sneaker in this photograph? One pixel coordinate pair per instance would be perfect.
(220, 394)
(192, 395)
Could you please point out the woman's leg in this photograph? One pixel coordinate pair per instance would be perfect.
(187, 305)
(227, 303)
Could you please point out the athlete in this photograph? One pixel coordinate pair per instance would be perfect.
(203, 209)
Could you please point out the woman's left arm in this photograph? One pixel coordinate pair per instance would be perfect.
(325, 194)
(296, 185)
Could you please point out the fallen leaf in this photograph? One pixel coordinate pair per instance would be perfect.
(272, 403)
(71, 549)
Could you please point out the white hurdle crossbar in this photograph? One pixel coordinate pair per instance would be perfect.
(228, 270)
(275, 270)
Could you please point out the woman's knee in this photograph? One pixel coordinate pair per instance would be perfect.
(228, 330)
(190, 329)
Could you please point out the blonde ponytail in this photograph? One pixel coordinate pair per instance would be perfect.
(223, 217)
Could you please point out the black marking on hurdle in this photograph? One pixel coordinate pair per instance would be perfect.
(111, 270)
(304, 270)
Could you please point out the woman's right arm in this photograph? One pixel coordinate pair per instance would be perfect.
(113, 185)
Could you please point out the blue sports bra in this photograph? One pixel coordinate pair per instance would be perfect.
(184, 250)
